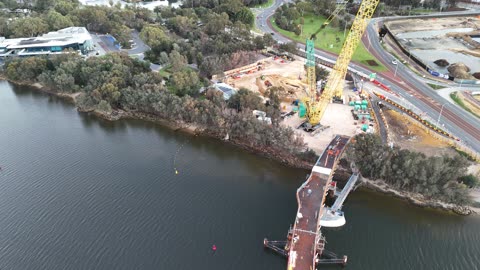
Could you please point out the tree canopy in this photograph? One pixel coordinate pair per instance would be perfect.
(437, 177)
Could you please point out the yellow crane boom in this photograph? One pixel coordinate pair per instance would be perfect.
(336, 78)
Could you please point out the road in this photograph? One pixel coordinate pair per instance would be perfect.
(407, 84)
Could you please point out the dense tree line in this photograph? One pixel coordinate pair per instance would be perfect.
(438, 177)
(215, 3)
(116, 81)
(212, 35)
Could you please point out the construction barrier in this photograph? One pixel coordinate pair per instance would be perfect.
(416, 117)
(434, 131)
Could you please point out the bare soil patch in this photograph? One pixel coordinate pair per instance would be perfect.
(408, 136)
(337, 118)
(288, 74)
(372, 63)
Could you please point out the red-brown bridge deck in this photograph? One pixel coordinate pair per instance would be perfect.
(311, 197)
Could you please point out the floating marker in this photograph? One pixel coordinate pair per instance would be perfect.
(214, 248)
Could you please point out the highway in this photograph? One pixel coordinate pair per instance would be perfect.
(406, 83)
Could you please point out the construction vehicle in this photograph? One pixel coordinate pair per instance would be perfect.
(333, 90)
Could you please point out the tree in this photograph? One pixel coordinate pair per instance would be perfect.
(64, 7)
(246, 16)
(469, 180)
(42, 5)
(185, 82)
(29, 27)
(259, 43)
(245, 99)
(268, 40)
(178, 61)
(216, 23)
(321, 73)
(57, 21)
(290, 47)
(153, 35)
(297, 30)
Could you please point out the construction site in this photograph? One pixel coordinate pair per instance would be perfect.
(288, 75)
(447, 45)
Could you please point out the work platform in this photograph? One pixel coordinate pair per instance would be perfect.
(305, 243)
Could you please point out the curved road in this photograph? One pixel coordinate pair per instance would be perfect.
(407, 84)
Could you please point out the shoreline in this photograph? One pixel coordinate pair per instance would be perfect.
(190, 128)
(417, 199)
(377, 185)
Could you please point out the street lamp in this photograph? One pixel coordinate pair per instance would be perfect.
(440, 115)
(395, 75)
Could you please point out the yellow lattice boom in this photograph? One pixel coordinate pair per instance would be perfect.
(336, 78)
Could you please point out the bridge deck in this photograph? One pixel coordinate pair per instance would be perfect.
(310, 197)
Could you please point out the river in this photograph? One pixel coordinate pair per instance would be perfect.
(77, 192)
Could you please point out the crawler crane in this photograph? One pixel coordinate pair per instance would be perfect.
(333, 90)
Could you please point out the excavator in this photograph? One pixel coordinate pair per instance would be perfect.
(333, 90)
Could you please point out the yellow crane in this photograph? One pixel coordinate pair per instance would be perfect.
(336, 79)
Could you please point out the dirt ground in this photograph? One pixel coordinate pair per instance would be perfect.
(291, 76)
(284, 74)
(339, 119)
(411, 25)
(407, 135)
(477, 97)
(443, 35)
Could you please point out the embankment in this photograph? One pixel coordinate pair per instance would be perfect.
(416, 199)
(288, 159)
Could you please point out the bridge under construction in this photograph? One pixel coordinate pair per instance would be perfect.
(305, 244)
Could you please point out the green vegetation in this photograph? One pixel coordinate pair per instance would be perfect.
(330, 39)
(460, 103)
(435, 86)
(264, 5)
(118, 82)
(436, 177)
(165, 72)
(464, 154)
(52, 15)
(469, 180)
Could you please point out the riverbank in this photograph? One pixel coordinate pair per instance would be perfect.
(342, 174)
(117, 114)
(415, 198)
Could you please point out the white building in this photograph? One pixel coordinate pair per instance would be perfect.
(227, 90)
(76, 38)
(148, 5)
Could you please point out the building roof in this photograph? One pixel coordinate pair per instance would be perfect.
(70, 35)
(227, 90)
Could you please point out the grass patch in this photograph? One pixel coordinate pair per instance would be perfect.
(165, 72)
(476, 204)
(329, 39)
(464, 154)
(435, 87)
(264, 5)
(460, 103)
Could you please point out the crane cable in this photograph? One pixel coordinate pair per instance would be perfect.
(329, 19)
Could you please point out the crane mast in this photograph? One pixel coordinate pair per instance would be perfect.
(335, 82)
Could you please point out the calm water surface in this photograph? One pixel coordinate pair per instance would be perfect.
(80, 193)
